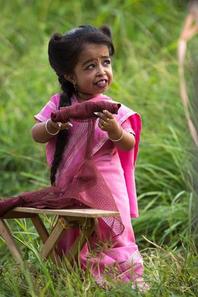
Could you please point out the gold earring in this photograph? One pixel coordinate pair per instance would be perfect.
(75, 88)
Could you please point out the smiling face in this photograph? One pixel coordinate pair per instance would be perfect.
(93, 72)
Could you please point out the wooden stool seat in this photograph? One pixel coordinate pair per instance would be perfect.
(84, 219)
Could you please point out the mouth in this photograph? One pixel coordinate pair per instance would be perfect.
(102, 83)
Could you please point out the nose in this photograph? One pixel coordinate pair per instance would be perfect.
(100, 69)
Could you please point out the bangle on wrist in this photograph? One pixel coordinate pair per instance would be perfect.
(121, 136)
(47, 130)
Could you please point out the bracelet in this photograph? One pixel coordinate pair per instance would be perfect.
(116, 140)
(50, 133)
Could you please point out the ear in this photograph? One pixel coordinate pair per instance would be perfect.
(70, 78)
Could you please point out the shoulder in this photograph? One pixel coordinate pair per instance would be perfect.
(55, 99)
(51, 106)
(123, 107)
(126, 115)
(125, 111)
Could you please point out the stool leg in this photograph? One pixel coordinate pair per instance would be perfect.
(40, 227)
(7, 236)
(52, 240)
(42, 231)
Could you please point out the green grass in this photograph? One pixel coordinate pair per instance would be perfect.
(169, 273)
(146, 79)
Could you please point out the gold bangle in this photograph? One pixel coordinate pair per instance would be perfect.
(47, 130)
(116, 140)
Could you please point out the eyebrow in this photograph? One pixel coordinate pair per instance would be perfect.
(91, 60)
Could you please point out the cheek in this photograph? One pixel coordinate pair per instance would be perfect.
(111, 77)
(85, 81)
(89, 77)
(111, 73)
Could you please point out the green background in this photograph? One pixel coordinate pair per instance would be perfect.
(145, 35)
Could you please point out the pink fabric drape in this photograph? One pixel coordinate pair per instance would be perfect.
(121, 258)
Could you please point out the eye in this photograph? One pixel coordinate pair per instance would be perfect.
(107, 62)
(90, 66)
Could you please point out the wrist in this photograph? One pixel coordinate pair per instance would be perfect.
(116, 137)
(52, 128)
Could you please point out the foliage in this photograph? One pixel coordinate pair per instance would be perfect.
(146, 79)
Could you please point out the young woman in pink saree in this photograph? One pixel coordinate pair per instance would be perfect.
(100, 152)
(117, 169)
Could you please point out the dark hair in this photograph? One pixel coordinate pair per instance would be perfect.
(64, 51)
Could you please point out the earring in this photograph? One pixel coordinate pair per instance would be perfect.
(75, 88)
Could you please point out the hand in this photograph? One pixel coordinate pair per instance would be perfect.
(42, 132)
(61, 126)
(108, 123)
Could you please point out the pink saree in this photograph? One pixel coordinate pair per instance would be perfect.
(118, 254)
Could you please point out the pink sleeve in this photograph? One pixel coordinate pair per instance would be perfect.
(51, 106)
(128, 161)
(126, 125)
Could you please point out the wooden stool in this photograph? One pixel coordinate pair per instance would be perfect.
(66, 219)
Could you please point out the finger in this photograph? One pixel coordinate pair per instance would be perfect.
(66, 126)
(101, 115)
(56, 125)
(101, 125)
(104, 122)
(108, 114)
(100, 122)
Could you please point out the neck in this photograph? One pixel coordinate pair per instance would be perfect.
(85, 96)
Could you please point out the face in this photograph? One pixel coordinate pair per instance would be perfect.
(93, 72)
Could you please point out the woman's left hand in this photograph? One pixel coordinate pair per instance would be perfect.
(107, 122)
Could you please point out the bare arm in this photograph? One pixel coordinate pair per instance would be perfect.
(42, 132)
(124, 140)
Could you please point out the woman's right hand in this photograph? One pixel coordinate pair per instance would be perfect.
(42, 132)
(59, 125)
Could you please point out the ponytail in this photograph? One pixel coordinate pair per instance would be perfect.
(62, 138)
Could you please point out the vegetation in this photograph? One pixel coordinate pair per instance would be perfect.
(146, 79)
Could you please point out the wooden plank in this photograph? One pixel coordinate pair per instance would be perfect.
(17, 215)
(86, 212)
(7, 236)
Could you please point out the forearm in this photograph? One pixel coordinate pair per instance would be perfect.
(122, 139)
(41, 134)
